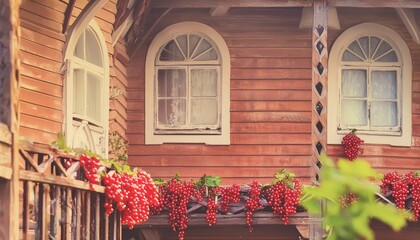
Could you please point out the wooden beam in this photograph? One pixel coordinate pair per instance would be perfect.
(123, 28)
(229, 3)
(138, 44)
(60, 181)
(86, 15)
(375, 3)
(283, 3)
(219, 11)
(9, 116)
(409, 20)
(67, 15)
(259, 218)
(319, 97)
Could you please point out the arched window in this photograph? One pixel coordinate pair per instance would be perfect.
(369, 86)
(187, 86)
(87, 84)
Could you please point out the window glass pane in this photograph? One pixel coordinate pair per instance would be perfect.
(348, 56)
(354, 47)
(374, 41)
(171, 83)
(202, 51)
(182, 42)
(204, 112)
(384, 114)
(193, 41)
(80, 46)
(384, 84)
(93, 96)
(353, 112)
(93, 51)
(203, 82)
(79, 92)
(353, 83)
(383, 48)
(171, 52)
(390, 57)
(171, 112)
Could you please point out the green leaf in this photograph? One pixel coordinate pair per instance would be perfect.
(383, 212)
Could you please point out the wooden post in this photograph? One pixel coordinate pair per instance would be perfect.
(9, 96)
(319, 95)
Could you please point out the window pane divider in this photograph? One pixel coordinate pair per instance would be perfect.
(383, 54)
(377, 47)
(204, 52)
(196, 46)
(355, 54)
(361, 48)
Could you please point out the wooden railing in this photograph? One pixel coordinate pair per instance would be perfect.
(57, 203)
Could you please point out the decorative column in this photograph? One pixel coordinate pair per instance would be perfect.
(319, 84)
(9, 119)
(319, 99)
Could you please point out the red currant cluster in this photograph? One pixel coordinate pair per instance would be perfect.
(252, 203)
(284, 197)
(229, 194)
(162, 189)
(133, 195)
(352, 144)
(401, 187)
(397, 185)
(90, 165)
(347, 200)
(415, 194)
(177, 197)
(212, 209)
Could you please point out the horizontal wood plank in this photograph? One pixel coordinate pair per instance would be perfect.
(273, 95)
(200, 149)
(60, 181)
(270, 117)
(269, 106)
(222, 161)
(197, 172)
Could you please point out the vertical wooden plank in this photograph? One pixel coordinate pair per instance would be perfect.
(69, 213)
(319, 95)
(78, 214)
(9, 114)
(88, 213)
(106, 226)
(57, 212)
(41, 212)
(98, 222)
(25, 211)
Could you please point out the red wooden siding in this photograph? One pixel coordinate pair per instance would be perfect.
(386, 158)
(42, 49)
(270, 101)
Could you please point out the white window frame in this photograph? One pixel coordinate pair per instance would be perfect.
(210, 137)
(71, 63)
(404, 82)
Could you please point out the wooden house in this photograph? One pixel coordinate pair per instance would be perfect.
(235, 88)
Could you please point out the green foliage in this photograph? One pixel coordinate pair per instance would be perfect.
(209, 181)
(117, 143)
(351, 222)
(61, 143)
(118, 146)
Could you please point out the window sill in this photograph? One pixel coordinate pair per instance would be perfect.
(215, 139)
(403, 139)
